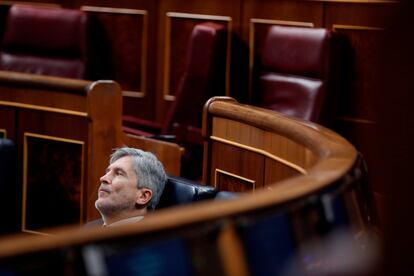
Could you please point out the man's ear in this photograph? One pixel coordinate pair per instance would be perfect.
(144, 196)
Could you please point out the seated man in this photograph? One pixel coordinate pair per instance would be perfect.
(133, 182)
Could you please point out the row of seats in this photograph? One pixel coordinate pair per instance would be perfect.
(296, 73)
(295, 70)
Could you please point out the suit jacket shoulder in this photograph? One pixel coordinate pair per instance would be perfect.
(94, 223)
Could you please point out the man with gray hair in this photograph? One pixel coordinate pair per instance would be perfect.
(132, 184)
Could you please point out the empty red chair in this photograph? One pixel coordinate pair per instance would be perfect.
(298, 74)
(46, 41)
(204, 77)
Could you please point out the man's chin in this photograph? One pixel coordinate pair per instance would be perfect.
(100, 204)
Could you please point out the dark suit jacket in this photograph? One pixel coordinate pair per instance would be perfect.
(94, 223)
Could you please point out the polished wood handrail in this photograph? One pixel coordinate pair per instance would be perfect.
(46, 82)
(316, 138)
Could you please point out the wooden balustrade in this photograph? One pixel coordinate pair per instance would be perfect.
(314, 195)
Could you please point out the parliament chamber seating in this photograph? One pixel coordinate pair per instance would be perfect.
(203, 77)
(45, 41)
(298, 72)
(302, 186)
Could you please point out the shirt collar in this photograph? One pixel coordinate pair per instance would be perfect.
(125, 221)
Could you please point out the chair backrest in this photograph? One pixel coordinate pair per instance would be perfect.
(298, 72)
(204, 76)
(180, 191)
(46, 41)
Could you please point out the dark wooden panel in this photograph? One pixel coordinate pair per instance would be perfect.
(54, 124)
(276, 171)
(362, 24)
(135, 61)
(360, 14)
(36, 2)
(360, 133)
(137, 4)
(283, 10)
(3, 16)
(123, 33)
(237, 167)
(52, 184)
(7, 123)
(225, 181)
(54, 150)
(383, 211)
(362, 73)
(119, 43)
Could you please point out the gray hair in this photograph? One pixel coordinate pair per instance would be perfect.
(150, 171)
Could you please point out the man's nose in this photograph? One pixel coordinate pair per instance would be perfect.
(106, 178)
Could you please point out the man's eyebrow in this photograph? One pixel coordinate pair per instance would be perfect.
(120, 169)
(116, 168)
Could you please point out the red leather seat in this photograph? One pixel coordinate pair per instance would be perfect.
(44, 40)
(298, 72)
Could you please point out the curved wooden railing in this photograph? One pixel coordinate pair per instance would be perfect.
(218, 235)
(308, 150)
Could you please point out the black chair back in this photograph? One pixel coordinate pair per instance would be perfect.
(180, 191)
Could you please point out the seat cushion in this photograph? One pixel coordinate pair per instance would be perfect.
(296, 96)
(42, 65)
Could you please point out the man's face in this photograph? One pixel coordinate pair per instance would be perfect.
(118, 191)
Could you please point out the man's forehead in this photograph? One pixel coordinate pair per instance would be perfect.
(123, 162)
